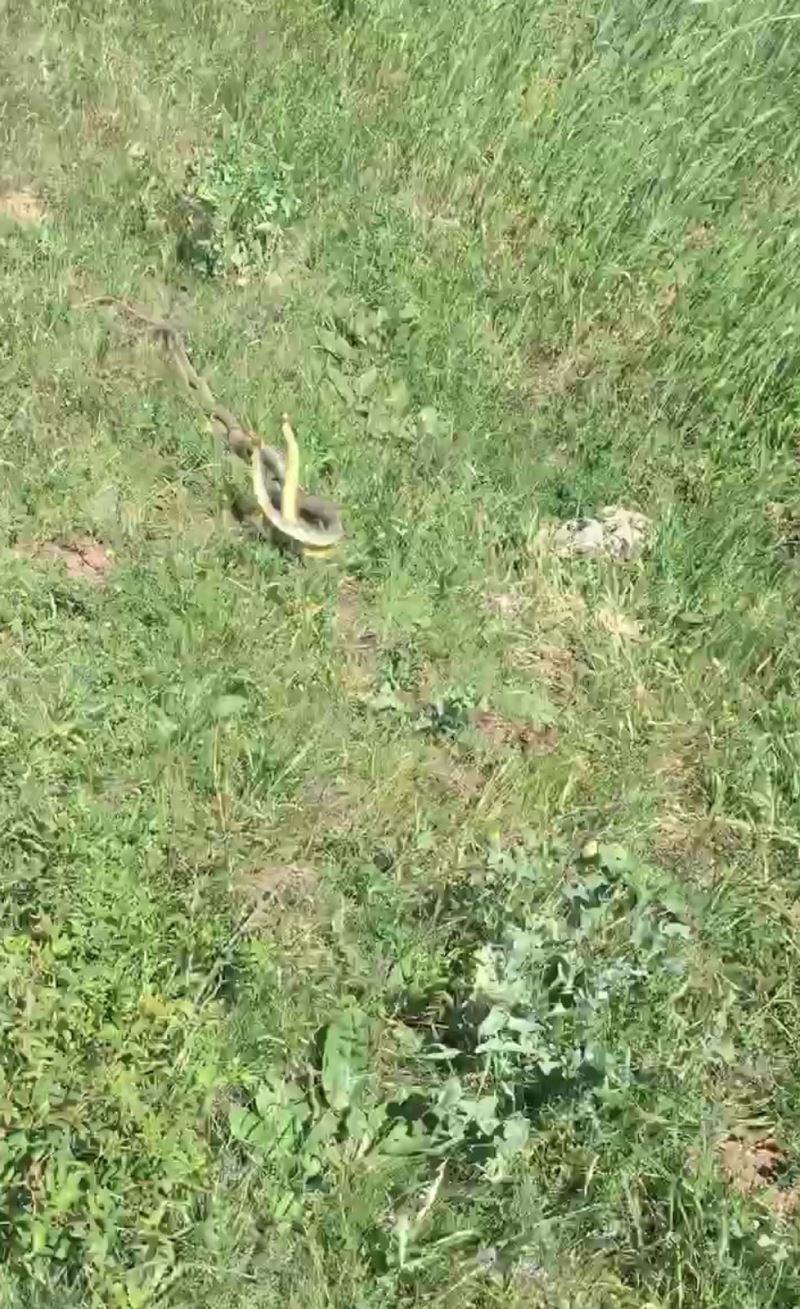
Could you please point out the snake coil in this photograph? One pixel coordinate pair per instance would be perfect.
(308, 522)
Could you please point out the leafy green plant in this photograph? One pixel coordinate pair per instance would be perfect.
(534, 1015)
(553, 980)
(237, 200)
(450, 713)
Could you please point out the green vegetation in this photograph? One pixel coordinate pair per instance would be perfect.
(411, 928)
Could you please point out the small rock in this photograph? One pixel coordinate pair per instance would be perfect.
(618, 533)
(579, 536)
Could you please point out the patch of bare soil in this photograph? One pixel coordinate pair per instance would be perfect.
(555, 375)
(84, 558)
(457, 779)
(358, 644)
(271, 888)
(530, 738)
(554, 665)
(753, 1167)
(749, 1165)
(331, 803)
(22, 207)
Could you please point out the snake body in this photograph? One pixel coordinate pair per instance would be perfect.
(307, 522)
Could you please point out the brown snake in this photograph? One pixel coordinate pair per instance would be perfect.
(307, 521)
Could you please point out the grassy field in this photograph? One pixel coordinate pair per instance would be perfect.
(418, 927)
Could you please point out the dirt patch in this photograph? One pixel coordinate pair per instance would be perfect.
(684, 835)
(749, 1165)
(347, 617)
(548, 652)
(602, 354)
(516, 237)
(455, 778)
(554, 376)
(85, 559)
(330, 808)
(687, 838)
(753, 1167)
(270, 888)
(357, 642)
(22, 207)
(530, 738)
(554, 665)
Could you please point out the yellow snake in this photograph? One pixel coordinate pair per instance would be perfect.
(304, 521)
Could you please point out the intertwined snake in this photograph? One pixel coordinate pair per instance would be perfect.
(307, 522)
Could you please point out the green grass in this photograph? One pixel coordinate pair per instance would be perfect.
(503, 262)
